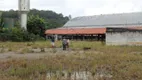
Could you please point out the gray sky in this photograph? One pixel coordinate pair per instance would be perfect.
(79, 7)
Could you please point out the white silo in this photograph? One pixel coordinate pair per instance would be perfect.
(24, 8)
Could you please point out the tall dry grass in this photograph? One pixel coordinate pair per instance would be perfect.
(122, 62)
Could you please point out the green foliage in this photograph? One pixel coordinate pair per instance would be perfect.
(16, 34)
(52, 19)
(36, 25)
(1, 20)
(10, 14)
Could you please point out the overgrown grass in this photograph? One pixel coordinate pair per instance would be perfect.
(121, 66)
(75, 45)
(122, 62)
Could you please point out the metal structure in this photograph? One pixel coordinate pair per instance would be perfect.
(24, 8)
(106, 20)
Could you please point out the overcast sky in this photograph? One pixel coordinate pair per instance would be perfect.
(79, 7)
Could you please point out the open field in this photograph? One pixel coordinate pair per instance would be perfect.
(37, 61)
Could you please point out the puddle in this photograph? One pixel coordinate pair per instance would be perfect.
(81, 75)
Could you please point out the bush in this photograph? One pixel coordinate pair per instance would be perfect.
(36, 25)
(17, 35)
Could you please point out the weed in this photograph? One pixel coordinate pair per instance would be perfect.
(29, 44)
(54, 50)
(118, 61)
(26, 50)
(42, 49)
(2, 50)
(10, 49)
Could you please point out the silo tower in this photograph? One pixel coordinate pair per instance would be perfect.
(24, 8)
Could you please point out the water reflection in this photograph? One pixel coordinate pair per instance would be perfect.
(80, 75)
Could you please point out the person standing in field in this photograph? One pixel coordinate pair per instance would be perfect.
(68, 43)
(53, 42)
(64, 44)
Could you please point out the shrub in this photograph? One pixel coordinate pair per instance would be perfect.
(36, 25)
(17, 35)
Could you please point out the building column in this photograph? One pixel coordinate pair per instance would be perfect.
(56, 37)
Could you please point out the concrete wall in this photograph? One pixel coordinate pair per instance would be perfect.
(124, 38)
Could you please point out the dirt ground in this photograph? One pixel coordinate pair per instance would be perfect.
(36, 55)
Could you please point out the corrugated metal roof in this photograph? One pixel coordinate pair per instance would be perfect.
(77, 31)
(110, 20)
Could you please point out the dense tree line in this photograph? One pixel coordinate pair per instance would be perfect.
(38, 22)
(35, 31)
(52, 19)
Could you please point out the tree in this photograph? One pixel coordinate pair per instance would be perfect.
(36, 25)
(52, 19)
(0, 19)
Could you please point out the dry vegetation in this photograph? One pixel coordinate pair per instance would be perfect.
(122, 62)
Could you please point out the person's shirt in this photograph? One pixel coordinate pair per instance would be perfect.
(68, 41)
(64, 41)
(52, 40)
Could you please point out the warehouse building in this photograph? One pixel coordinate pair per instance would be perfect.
(114, 29)
(124, 36)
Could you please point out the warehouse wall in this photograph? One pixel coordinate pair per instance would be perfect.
(124, 38)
